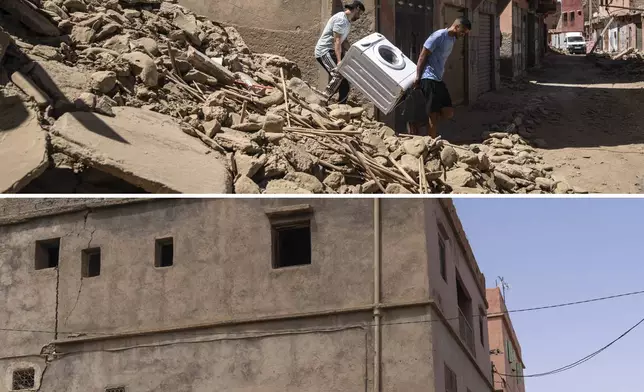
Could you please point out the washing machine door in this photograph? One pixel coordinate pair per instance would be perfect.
(390, 56)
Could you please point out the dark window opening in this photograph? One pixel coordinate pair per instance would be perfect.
(292, 245)
(23, 379)
(572, 16)
(443, 258)
(164, 253)
(117, 389)
(450, 380)
(47, 253)
(565, 17)
(91, 263)
(482, 326)
(465, 314)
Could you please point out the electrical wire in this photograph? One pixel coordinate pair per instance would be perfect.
(632, 293)
(579, 362)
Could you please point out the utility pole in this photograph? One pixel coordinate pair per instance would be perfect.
(590, 18)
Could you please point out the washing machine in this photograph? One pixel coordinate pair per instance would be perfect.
(379, 70)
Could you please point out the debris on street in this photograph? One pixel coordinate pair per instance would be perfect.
(268, 128)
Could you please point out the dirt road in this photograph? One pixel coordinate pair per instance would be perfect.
(590, 118)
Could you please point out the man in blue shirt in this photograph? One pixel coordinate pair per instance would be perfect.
(430, 70)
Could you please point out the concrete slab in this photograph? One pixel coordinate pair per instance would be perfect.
(23, 145)
(142, 147)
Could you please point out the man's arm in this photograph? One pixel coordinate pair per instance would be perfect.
(422, 60)
(337, 46)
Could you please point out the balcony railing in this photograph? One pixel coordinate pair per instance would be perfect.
(466, 331)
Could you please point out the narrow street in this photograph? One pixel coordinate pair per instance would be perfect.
(587, 113)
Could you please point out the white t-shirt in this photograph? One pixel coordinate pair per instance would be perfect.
(338, 24)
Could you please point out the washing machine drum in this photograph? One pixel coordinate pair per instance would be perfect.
(390, 56)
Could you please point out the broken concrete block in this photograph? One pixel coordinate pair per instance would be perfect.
(285, 187)
(306, 181)
(103, 81)
(303, 90)
(136, 145)
(82, 35)
(149, 45)
(143, 66)
(197, 76)
(85, 101)
(246, 186)
(273, 123)
(449, 156)
(396, 189)
(27, 85)
(460, 178)
(75, 6)
(23, 145)
(107, 31)
(46, 52)
(24, 12)
(204, 64)
(415, 147)
(188, 24)
(249, 166)
(211, 128)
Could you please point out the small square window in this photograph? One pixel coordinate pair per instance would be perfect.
(91, 263)
(292, 244)
(164, 254)
(47, 253)
(23, 379)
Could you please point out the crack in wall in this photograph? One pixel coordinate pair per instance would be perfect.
(89, 244)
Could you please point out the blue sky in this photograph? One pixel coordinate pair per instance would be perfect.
(560, 250)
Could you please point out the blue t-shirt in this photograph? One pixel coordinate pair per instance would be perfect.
(441, 45)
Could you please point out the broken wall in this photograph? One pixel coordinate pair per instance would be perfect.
(282, 27)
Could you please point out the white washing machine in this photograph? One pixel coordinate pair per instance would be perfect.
(379, 70)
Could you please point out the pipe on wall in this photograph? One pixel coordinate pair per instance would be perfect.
(377, 262)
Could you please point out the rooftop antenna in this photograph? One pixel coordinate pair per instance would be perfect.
(504, 285)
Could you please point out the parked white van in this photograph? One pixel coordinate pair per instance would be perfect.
(574, 43)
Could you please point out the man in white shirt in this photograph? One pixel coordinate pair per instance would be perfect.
(329, 49)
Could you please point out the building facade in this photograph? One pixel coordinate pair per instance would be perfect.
(523, 35)
(505, 349)
(625, 29)
(245, 295)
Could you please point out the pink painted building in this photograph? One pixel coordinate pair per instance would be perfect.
(505, 350)
(571, 19)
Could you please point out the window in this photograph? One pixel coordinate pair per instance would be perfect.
(91, 263)
(292, 244)
(47, 253)
(442, 250)
(115, 389)
(443, 258)
(164, 253)
(450, 380)
(23, 379)
(291, 235)
(482, 326)
(572, 16)
(565, 17)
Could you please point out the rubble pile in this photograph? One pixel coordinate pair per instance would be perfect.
(273, 131)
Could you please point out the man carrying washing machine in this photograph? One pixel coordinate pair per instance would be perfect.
(430, 70)
(330, 48)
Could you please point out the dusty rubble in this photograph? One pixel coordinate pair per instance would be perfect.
(269, 127)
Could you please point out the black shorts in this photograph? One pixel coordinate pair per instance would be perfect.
(436, 95)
